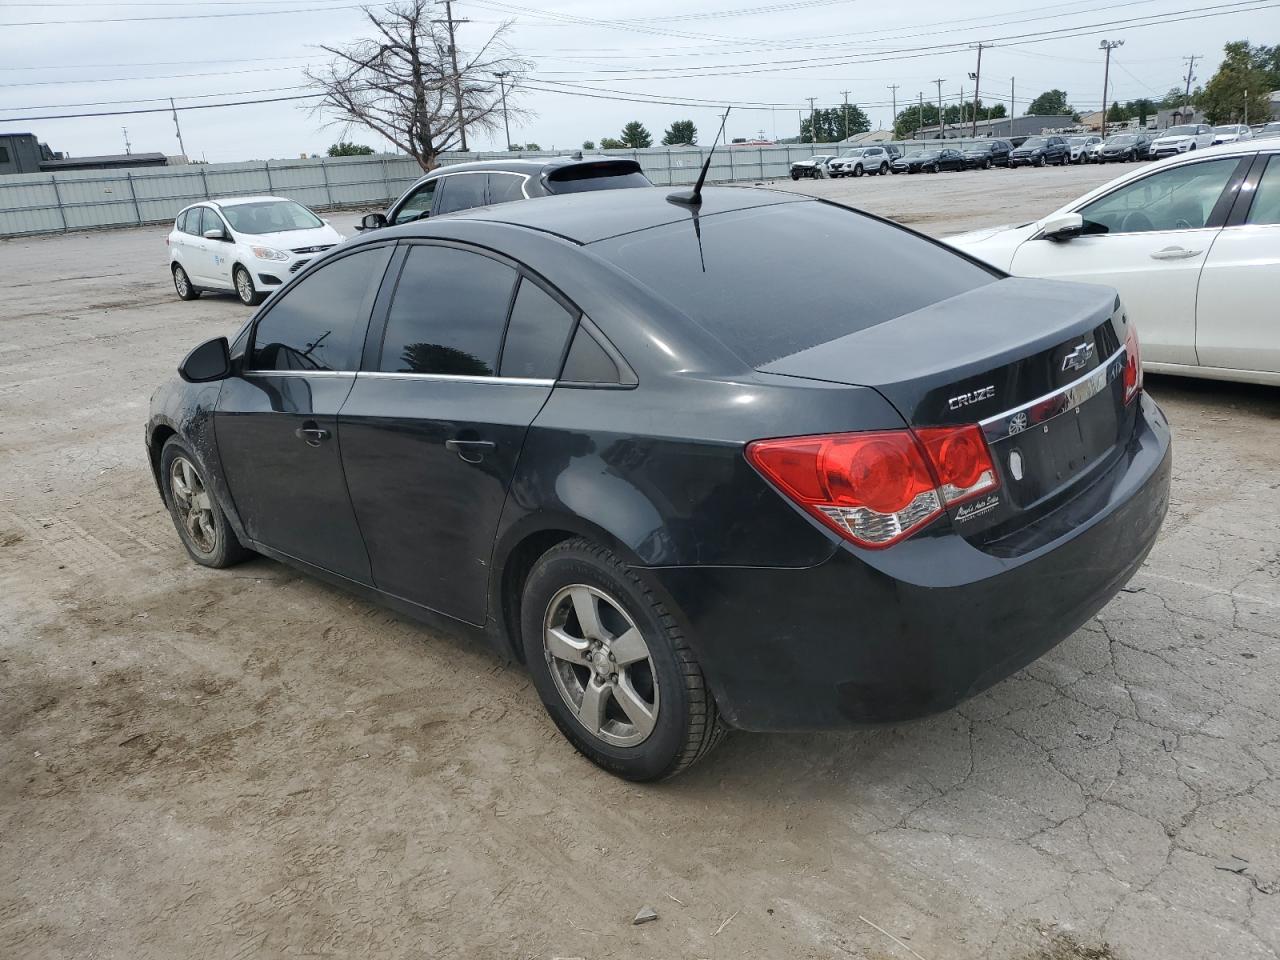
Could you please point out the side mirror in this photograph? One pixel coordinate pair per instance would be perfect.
(372, 221)
(215, 233)
(1062, 227)
(208, 362)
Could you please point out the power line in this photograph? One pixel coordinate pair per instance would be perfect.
(908, 53)
(185, 16)
(194, 106)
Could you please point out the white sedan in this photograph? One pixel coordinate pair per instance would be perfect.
(1191, 243)
(245, 245)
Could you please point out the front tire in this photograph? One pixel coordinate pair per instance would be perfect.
(795, 175)
(182, 284)
(884, 168)
(857, 170)
(244, 288)
(612, 667)
(200, 522)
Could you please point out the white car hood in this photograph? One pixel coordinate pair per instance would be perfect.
(1171, 141)
(293, 239)
(994, 245)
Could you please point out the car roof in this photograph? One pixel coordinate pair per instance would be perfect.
(237, 201)
(599, 214)
(531, 166)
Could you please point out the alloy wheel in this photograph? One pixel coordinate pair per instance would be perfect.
(194, 507)
(601, 665)
(181, 282)
(244, 287)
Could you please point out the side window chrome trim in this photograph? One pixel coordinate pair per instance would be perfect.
(298, 373)
(457, 378)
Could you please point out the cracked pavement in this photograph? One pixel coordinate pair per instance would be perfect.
(250, 763)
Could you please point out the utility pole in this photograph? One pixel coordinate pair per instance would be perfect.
(502, 85)
(920, 116)
(942, 127)
(1012, 112)
(894, 88)
(181, 147)
(1191, 65)
(813, 124)
(128, 148)
(457, 77)
(1107, 46)
(976, 76)
(846, 113)
(1246, 107)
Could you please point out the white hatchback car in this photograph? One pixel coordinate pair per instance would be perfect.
(1192, 244)
(245, 245)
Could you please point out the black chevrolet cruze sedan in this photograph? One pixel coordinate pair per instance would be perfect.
(648, 450)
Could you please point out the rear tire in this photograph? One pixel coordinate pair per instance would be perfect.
(654, 716)
(183, 285)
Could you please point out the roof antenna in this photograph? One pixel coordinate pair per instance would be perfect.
(693, 198)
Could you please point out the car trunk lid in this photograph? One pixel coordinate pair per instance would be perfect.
(1038, 364)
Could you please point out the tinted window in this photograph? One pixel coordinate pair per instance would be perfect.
(461, 192)
(602, 175)
(417, 203)
(4, 154)
(1266, 199)
(448, 313)
(536, 334)
(1178, 199)
(765, 290)
(319, 323)
(588, 362)
(505, 187)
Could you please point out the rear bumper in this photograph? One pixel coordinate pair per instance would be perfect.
(877, 637)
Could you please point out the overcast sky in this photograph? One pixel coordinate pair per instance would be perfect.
(759, 51)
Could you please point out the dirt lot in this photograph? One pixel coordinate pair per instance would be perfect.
(249, 763)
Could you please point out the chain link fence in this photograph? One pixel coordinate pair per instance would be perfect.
(36, 203)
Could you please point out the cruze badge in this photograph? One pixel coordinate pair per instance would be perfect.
(974, 396)
(1078, 358)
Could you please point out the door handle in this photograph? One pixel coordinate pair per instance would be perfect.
(472, 451)
(310, 434)
(1174, 253)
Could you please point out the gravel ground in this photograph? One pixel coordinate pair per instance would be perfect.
(249, 763)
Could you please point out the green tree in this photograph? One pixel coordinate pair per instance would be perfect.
(908, 121)
(636, 135)
(1140, 109)
(680, 131)
(1242, 84)
(344, 149)
(1051, 103)
(608, 143)
(588, 144)
(1116, 113)
(518, 147)
(832, 124)
(1173, 99)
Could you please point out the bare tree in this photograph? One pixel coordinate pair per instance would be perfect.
(401, 82)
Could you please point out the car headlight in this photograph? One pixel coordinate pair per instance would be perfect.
(269, 253)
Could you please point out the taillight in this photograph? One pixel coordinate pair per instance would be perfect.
(875, 489)
(1132, 365)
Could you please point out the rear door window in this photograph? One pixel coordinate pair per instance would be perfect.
(448, 313)
(537, 333)
(461, 191)
(1266, 199)
(505, 187)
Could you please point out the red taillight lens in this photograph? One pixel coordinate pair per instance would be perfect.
(1132, 365)
(875, 489)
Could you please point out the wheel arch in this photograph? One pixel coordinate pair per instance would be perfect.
(518, 550)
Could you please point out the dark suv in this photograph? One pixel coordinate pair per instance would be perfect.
(994, 153)
(1038, 151)
(466, 185)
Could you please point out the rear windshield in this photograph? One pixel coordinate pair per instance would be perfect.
(607, 175)
(771, 281)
